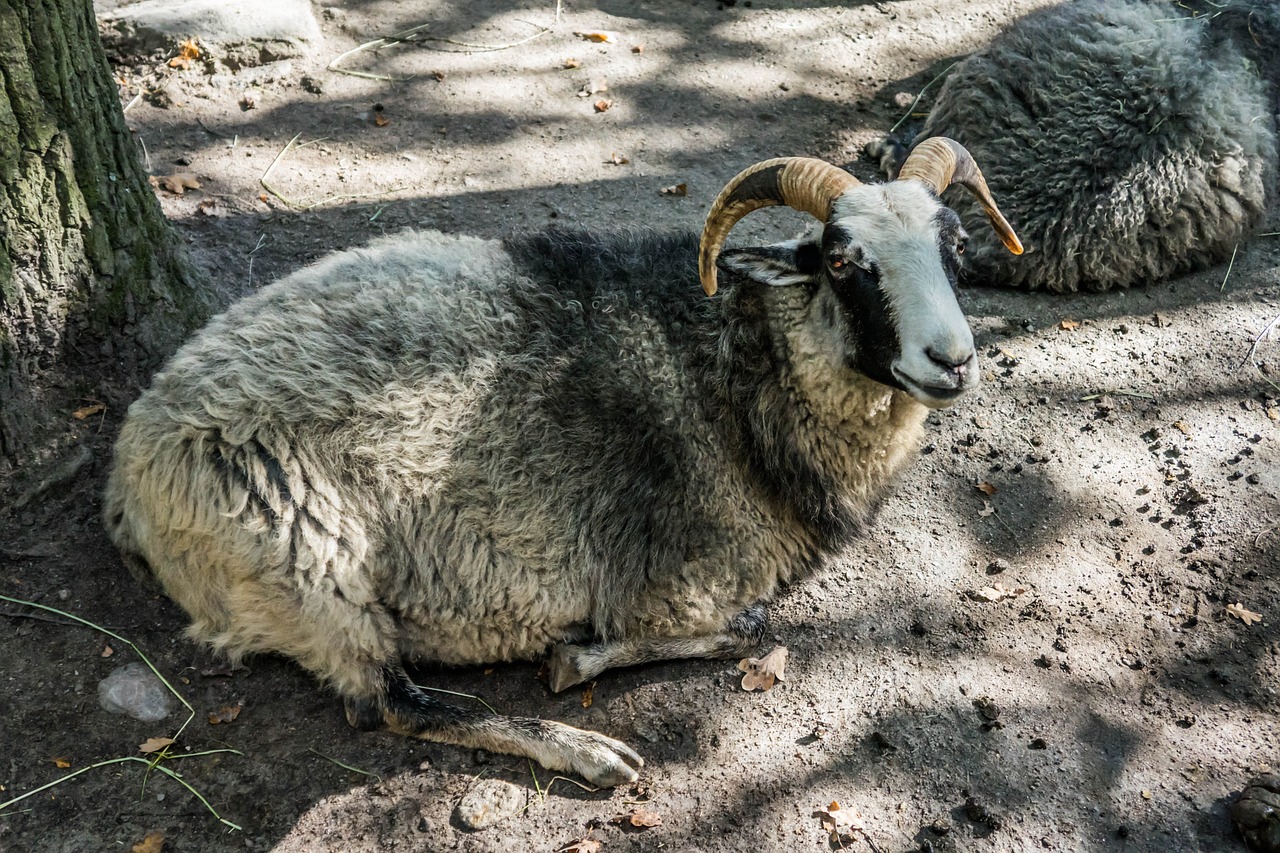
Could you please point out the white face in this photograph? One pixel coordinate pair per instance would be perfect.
(891, 252)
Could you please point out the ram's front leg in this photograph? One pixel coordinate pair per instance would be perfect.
(571, 664)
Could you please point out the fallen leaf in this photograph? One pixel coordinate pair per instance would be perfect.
(999, 592)
(61, 763)
(587, 697)
(187, 51)
(637, 48)
(617, 159)
(602, 105)
(600, 37)
(107, 651)
(676, 190)
(1242, 613)
(249, 102)
(571, 63)
(380, 120)
(225, 714)
(152, 842)
(154, 744)
(987, 509)
(584, 845)
(985, 487)
(1069, 325)
(638, 818)
(763, 673)
(81, 414)
(841, 824)
(1182, 428)
(438, 75)
(177, 183)
(262, 197)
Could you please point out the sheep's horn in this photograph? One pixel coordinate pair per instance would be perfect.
(941, 162)
(801, 183)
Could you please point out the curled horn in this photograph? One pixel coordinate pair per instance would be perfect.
(801, 183)
(941, 162)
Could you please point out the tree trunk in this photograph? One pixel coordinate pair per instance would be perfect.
(91, 274)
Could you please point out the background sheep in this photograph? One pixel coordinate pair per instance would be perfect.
(457, 450)
(1128, 142)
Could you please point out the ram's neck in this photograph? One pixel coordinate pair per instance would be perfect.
(820, 441)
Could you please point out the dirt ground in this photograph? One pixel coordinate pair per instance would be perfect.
(1108, 701)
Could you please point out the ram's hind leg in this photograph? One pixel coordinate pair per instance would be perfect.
(571, 664)
(407, 709)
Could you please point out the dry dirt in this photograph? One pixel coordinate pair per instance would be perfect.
(1112, 704)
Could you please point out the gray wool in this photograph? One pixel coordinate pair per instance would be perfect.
(1125, 142)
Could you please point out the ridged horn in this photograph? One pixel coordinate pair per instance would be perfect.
(801, 183)
(941, 162)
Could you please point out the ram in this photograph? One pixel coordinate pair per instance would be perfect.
(456, 450)
(1129, 141)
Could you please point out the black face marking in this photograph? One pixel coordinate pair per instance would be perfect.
(872, 342)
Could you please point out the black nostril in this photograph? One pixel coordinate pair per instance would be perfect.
(948, 361)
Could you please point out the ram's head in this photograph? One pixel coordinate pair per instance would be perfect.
(888, 258)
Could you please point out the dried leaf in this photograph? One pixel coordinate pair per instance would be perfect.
(177, 183)
(1242, 613)
(584, 845)
(987, 509)
(999, 592)
(61, 763)
(602, 105)
(155, 744)
(380, 120)
(841, 824)
(438, 75)
(637, 48)
(187, 51)
(617, 159)
(107, 651)
(1182, 428)
(225, 714)
(262, 197)
(81, 414)
(676, 190)
(587, 695)
(1069, 325)
(763, 673)
(600, 37)
(152, 842)
(985, 487)
(638, 818)
(571, 63)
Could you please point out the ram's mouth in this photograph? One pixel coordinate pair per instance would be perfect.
(934, 394)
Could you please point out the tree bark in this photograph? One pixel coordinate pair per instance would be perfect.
(91, 273)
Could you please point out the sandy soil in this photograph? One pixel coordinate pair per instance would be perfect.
(1109, 702)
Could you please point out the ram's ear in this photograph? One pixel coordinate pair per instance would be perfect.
(782, 264)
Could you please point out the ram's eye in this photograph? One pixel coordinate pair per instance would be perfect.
(837, 262)
(960, 247)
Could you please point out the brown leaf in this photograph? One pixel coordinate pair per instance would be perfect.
(985, 487)
(763, 673)
(583, 845)
(1242, 613)
(602, 105)
(638, 818)
(380, 120)
(571, 63)
(249, 102)
(177, 183)
(152, 842)
(187, 51)
(155, 744)
(225, 714)
(637, 48)
(1182, 428)
(107, 651)
(676, 190)
(617, 159)
(438, 75)
(999, 592)
(1069, 325)
(600, 37)
(61, 763)
(93, 409)
(841, 824)
(587, 697)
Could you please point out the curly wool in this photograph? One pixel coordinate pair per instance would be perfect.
(1125, 143)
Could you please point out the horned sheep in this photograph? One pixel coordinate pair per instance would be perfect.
(447, 449)
(1129, 140)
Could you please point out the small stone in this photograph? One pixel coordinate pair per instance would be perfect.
(135, 690)
(489, 803)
